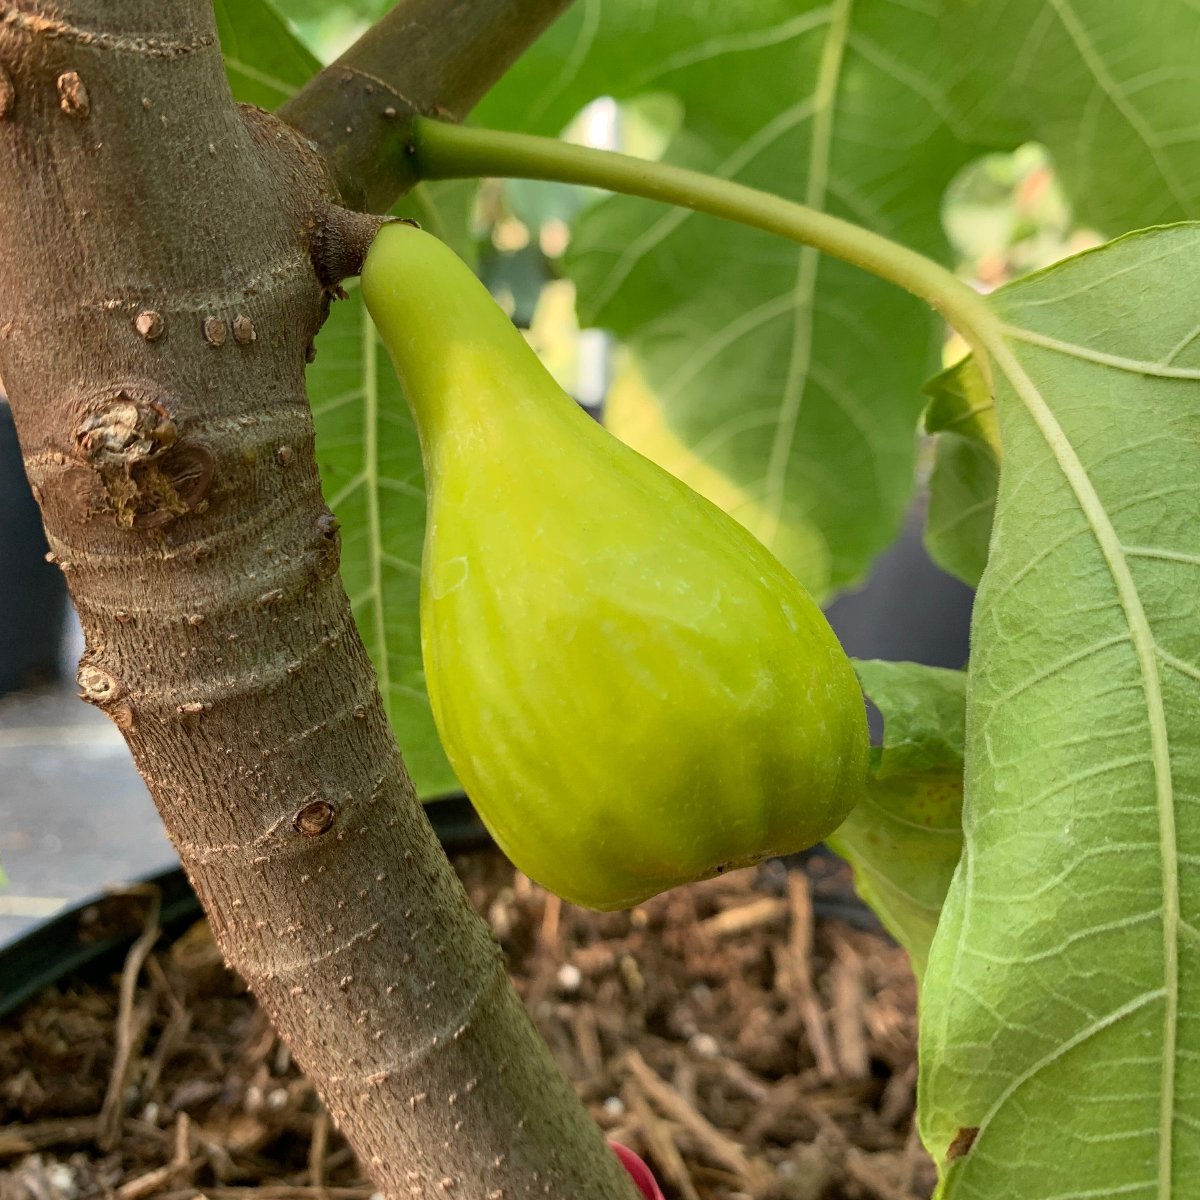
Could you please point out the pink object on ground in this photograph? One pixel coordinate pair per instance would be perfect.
(639, 1171)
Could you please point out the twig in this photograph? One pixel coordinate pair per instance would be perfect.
(685, 1080)
(413, 60)
(16, 1140)
(127, 1033)
(182, 1166)
(741, 1078)
(745, 917)
(899, 1095)
(318, 1148)
(183, 1140)
(708, 1137)
(275, 1192)
(587, 1039)
(796, 958)
(659, 1141)
(176, 1028)
(220, 1161)
(849, 1031)
(152, 1182)
(548, 934)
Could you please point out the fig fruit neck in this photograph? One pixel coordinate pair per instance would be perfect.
(483, 400)
(468, 373)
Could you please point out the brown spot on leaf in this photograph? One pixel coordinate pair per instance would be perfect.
(243, 330)
(964, 1139)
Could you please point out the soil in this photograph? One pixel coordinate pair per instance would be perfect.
(751, 1037)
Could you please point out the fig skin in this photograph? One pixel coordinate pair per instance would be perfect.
(633, 691)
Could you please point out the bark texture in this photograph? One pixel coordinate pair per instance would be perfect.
(156, 304)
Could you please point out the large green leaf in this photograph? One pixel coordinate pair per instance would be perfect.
(905, 837)
(266, 63)
(1111, 87)
(796, 376)
(962, 487)
(1060, 1031)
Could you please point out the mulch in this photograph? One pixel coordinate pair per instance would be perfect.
(753, 1038)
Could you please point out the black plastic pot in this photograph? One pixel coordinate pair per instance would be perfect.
(105, 924)
(909, 610)
(33, 597)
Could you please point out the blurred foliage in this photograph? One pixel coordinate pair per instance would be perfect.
(327, 29)
(1007, 215)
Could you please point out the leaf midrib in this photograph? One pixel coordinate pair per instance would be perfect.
(1094, 62)
(1146, 650)
(1120, 362)
(800, 361)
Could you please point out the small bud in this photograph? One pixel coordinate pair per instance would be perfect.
(72, 95)
(149, 324)
(215, 331)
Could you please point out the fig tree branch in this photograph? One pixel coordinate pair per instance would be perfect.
(160, 292)
(425, 56)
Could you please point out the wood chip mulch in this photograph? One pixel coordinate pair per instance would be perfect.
(746, 1043)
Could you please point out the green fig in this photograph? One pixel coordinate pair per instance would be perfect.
(633, 691)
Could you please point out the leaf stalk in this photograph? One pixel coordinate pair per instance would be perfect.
(439, 150)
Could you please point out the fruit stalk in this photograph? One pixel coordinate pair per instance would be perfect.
(439, 150)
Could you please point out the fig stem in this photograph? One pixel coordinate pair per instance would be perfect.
(440, 150)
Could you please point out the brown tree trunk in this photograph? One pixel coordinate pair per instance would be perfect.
(157, 298)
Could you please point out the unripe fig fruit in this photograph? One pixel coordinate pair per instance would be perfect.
(633, 691)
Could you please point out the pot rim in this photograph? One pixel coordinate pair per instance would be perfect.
(106, 921)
